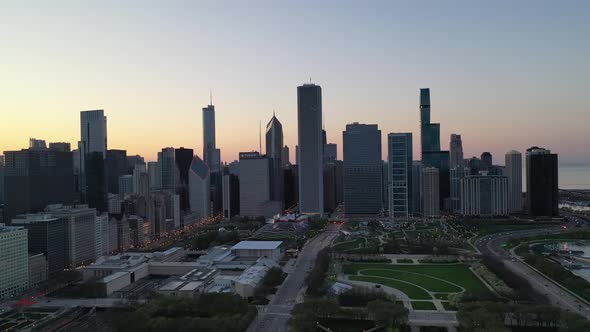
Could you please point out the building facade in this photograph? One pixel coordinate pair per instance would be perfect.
(457, 173)
(47, 236)
(430, 192)
(310, 146)
(484, 195)
(362, 169)
(456, 151)
(542, 182)
(198, 185)
(400, 157)
(14, 274)
(255, 193)
(513, 170)
(274, 151)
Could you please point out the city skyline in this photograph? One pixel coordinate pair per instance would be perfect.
(153, 89)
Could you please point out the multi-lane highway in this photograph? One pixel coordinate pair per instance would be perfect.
(557, 295)
(275, 316)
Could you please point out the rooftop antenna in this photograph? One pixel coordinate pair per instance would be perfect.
(210, 97)
(273, 112)
(310, 80)
(259, 136)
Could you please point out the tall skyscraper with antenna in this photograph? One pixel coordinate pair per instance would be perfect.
(309, 136)
(209, 135)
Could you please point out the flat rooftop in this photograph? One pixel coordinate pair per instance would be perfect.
(260, 245)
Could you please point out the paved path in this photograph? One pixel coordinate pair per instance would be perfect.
(275, 316)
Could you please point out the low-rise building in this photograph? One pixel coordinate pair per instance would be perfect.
(14, 273)
(258, 249)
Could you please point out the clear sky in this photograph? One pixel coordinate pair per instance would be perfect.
(504, 74)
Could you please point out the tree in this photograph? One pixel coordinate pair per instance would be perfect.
(306, 314)
(388, 314)
(273, 277)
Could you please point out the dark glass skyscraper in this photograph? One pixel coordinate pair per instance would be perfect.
(183, 158)
(274, 149)
(34, 179)
(542, 182)
(362, 169)
(309, 135)
(116, 167)
(432, 156)
(96, 182)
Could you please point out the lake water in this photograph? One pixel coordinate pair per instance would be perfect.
(570, 176)
(574, 177)
(578, 246)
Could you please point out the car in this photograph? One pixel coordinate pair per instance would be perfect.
(377, 286)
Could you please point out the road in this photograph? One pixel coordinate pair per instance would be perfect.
(558, 296)
(275, 316)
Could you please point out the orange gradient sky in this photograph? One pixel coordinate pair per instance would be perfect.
(504, 77)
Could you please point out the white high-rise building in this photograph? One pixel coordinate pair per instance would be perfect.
(484, 195)
(513, 171)
(101, 227)
(457, 173)
(430, 192)
(14, 260)
(199, 188)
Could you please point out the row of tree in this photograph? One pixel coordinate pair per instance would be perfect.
(207, 313)
(385, 314)
(521, 286)
(315, 279)
(496, 316)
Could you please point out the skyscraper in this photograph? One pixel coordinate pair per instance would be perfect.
(93, 153)
(93, 131)
(166, 159)
(399, 160)
(184, 159)
(47, 236)
(14, 274)
(198, 186)
(330, 152)
(285, 157)
(37, 144)
(209, 134)
(542, 182)
(274, 146)
(484, 195)
(155, 175)
(456, 147)
(430, 191)
(432, 156)
(116, 167)
(231, 195)
(34, 179)
(255, 199)
(416, 186)
(514, 172)
(457, 173)
(125, 185)
(486, 161)
(309, 136)
(362, 169)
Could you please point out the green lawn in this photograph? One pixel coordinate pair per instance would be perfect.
(431, 284)
(349, 244)
(455, 273)
(485, 229)
(412, 291)
(423, 305)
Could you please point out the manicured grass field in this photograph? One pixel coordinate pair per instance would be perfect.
(412, 291)
(458, 274)
(423, 305)
(350, 244)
